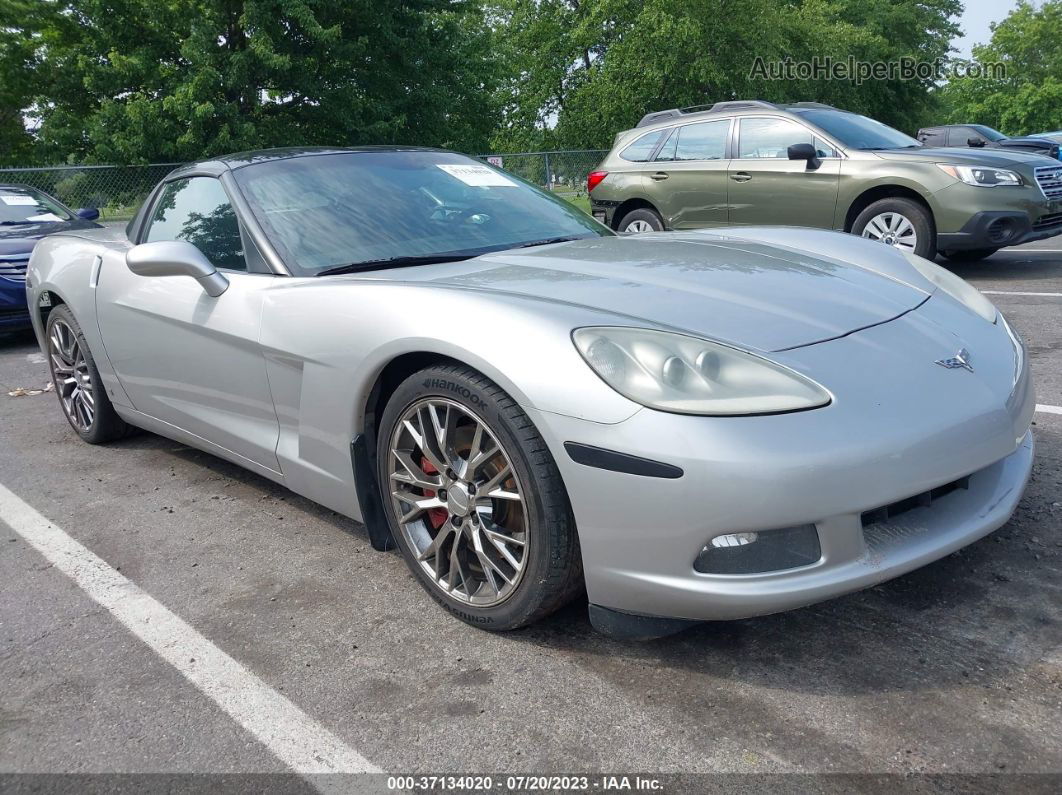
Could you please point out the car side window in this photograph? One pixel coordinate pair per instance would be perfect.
(702, 141)
(198, 211)
(933, 138)
(960, 136)
(667, 151)
(823, 149)
(771, 138)
(642, 149)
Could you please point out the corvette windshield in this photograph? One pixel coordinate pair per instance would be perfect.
(859, 132)
(364, 210)
(21, 205)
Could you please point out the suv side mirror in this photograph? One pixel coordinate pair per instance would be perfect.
(805, 152)
(176, 258)
(88, 213)
(977, 143)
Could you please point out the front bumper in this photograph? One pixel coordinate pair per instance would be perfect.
(1016, 216)
(13, 311)
(899, 426)
(1001, 229)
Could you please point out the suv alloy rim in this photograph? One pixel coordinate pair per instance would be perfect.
(71, 375)
(639, 226)
(458, 502)
(892, 229)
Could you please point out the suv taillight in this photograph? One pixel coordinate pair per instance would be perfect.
(593, 178)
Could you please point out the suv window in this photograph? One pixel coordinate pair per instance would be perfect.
(771, 138)
(703, 141)
(198, 211)
(960, 136)
(933, 137)
(642, 149)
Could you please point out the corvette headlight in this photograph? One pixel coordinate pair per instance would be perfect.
(983, 177)
(958, 288)
(687, 375)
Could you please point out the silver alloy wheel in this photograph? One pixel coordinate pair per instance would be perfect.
(458, 501)
(639, 226)
(892, 229)
(71, 376)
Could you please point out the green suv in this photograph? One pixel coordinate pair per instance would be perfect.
(808, 164)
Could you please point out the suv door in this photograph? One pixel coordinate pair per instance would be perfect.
(766, 187)
(687, 182)
(181, 356)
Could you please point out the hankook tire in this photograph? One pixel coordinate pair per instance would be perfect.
(77, 383)
(474, 500)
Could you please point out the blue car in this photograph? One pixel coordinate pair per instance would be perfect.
(27, 215)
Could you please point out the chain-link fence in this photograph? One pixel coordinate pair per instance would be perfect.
(115, 190)
(118, 190)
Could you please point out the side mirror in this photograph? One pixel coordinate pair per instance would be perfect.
(977, 143)
(88, 213)
(176, 258)
(805, 152)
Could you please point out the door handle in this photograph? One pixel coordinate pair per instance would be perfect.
(741, 176)
(659, 176)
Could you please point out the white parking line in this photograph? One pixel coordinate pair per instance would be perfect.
(1048, 409)
(295, 738)
(1014, 292)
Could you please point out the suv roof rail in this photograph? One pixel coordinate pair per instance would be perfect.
(741, 104)
(673, 113)
(660, 115)
(821, 105)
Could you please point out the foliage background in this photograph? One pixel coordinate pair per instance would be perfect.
(138, 81)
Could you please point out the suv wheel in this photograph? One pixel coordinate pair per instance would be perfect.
(641, 220)
(475, 501)
(902, 223)
(970, 254)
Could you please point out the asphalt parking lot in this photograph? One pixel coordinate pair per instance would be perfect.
(953, 669)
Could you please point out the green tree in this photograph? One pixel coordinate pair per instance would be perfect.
(581, 70)
(154, 80)
(20, 23)
(1028, 97)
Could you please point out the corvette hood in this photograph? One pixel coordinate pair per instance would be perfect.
(751, 292)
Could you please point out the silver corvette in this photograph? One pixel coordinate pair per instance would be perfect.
(686, 426)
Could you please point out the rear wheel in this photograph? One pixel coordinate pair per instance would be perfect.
(641, 220)
(902, 223)
(77, 381)
(475, 501)
(970, 254)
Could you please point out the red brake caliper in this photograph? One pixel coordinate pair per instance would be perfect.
(437, 516)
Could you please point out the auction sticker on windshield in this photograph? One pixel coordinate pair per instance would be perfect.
(477, 176)
(26, 201)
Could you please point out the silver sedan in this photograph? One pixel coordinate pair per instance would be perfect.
(683, 426)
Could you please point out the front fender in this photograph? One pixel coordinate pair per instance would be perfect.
(68, 268)
(326, 342)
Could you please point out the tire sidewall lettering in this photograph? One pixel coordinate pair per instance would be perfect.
(456, 388)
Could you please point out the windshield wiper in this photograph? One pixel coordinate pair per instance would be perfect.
(394, 262)
(18, 223)
(547, 241)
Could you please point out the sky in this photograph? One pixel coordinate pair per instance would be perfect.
(975, 22)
